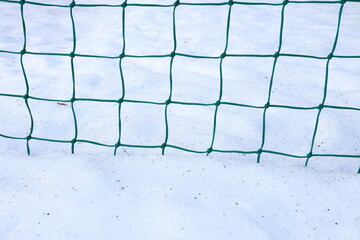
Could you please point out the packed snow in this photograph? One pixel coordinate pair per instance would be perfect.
(140, 194)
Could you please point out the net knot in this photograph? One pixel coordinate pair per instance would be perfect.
(321, 106)
(223, 55)
(176, 3)
(168, 101)
(209, 150)
(26, 96)
(259, 151)
(117, 144)
(276, 54)
(72, 100)
(172, 54)
(285, 2)
(267, 105)
(330, 56)
(217, 103)
(22, 52)
(124, 4)
(231, 2)
(309, 155)
(343, 1)
(72, 4)
(73, 141)
(72, 54)
(28, 137)
(120, 100)
(22, 2)
(163, 145)
(122, 55)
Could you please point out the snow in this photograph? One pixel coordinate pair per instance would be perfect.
(97, 196)
(140, 194)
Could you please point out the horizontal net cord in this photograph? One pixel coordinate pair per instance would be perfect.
(182, 148)
(176, 3)
(167, 102)
(275, 55)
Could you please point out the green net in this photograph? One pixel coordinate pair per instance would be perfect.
(123, 7)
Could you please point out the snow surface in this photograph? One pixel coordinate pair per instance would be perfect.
(140, 194)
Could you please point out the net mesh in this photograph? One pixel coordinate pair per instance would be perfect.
(123, 7)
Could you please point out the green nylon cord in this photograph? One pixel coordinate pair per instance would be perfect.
(223, 55)
(72, 100)
(26, 96)
(326, 84)
(258, 152)
(168, 101)
(121, 100)
(267, 104)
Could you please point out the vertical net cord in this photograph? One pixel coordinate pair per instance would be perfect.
(26, 96)
(172, 56)
(72, 55)
(321, 106)
(267, 105)
(223, 55)
(122, 55)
